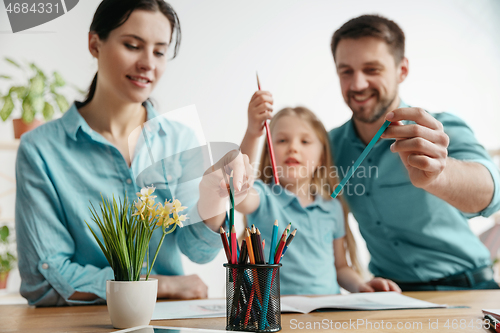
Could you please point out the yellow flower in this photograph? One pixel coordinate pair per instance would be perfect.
(139, 206)
(177, 207)
(178, 219)
(171, 208)
(146, 197)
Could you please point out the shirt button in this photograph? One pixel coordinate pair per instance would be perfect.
(416, 265)
(45, 265)
(396, 243)
(129, 181)
(367, 194)
(378, 223)
(369, 160)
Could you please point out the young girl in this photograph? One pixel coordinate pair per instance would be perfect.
(316, 261)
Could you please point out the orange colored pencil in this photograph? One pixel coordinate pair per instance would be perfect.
(249, 247)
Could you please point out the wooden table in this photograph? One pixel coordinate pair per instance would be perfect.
(22, 318)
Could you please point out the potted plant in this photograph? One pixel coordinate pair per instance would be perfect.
(36, 94)
(7, 259)
(126, 231)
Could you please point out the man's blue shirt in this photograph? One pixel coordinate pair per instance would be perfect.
(412, 235)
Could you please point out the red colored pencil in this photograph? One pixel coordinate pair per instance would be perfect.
(279, 251)
(234, 259)
(225, 244)
(270, 145)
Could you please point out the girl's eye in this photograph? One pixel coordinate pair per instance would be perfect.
(305, 142)
(281, 140)
(159, 54)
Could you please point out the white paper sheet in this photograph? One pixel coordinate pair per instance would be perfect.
(212, 308)
(493, 312)
(200, 308)
(361, 301)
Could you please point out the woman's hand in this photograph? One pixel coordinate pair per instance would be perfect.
(181, 286)
(214, 187)
(259, 110)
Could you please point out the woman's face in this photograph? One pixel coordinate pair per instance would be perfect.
(132, 59)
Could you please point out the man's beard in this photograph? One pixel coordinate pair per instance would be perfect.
(379, 109)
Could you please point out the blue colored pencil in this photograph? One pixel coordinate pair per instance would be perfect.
(274, 240)
(360, 159)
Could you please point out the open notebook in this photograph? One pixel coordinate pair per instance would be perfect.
(361, 301)
(210, 308)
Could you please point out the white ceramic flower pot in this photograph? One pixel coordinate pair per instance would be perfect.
(131, 303)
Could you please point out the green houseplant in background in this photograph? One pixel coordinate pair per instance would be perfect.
(35, 94)
(7, 259)
(125, 233)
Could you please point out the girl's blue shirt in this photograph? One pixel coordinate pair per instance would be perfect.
(309, 264)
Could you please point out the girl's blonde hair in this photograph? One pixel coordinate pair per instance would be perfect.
(323, 182)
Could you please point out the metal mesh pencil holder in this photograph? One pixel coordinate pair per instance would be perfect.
(253, 298)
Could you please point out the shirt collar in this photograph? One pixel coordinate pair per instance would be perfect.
(72, 121)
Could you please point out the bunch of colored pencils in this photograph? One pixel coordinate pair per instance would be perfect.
(251, 287)
(252, 246)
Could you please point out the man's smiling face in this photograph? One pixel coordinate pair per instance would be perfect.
(369, 77)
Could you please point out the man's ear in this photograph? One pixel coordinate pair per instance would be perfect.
(403, 69)
(94, 44)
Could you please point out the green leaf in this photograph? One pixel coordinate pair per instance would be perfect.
(4, 233)
(62, 103)
(37, 103)
(59, 81)
(7, 108)
(52, 88)
(48, 111)
(20, 91)
(5, 77)
(38, 71)
(28, 114)
(12, 62)
(37, 86)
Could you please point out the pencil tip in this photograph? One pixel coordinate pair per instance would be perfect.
(275, 222)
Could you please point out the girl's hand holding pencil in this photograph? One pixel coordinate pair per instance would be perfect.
(259, 110)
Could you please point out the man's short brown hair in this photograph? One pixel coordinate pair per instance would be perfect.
(372, 26)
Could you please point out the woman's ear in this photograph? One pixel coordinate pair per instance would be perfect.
(94, 44)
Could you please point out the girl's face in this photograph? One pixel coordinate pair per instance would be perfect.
(297, 149)
(133, 58)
